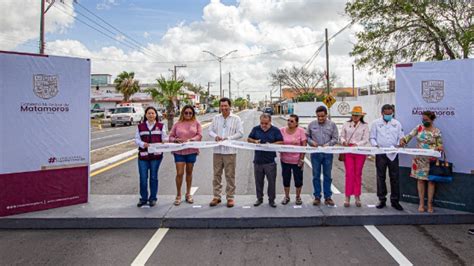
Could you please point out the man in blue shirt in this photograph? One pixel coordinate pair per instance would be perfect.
(386, 132)
(264, 161)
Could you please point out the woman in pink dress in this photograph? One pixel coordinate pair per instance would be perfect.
(292, 162)
(186, 129)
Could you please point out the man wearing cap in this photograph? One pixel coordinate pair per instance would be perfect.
(322, 132)
(386, 132)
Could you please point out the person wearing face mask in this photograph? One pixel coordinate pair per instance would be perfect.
(387, 132)
(428, 137)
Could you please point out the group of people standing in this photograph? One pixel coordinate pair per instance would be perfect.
(384, 132)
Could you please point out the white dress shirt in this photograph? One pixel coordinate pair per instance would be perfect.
(386, 134)
(230, 128)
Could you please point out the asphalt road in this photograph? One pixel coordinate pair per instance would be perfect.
(420, 245)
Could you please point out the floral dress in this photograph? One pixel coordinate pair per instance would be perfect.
(426, 140)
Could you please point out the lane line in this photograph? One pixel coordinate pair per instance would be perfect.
(193, 190)
(333, 188)
(389, 247)
(114, 165)
(113, 145)
(150, 247)
(106, 137)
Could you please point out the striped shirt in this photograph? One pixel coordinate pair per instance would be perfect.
(230, 128)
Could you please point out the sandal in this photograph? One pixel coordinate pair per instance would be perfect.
(298, 201)
(189, 199)
(347, 204)
(421, 209)
(358, 203)
(177, 201)
(285, 200)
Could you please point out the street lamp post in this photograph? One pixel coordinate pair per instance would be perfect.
(220, 59)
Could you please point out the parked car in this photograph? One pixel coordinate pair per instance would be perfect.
(211, 110)
(268, 110)
(108, 112)
(97, 113)
(127, 114)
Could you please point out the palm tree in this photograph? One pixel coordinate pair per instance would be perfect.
(126, 84)
(166, 93)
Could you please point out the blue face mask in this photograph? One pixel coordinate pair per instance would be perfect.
(387, 117)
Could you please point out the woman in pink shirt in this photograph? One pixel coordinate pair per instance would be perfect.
(186, 129)
(355, 132)
(292, 135)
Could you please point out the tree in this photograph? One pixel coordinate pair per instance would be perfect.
(166, 93)
(240, 103)
(301, 80)
(403, 30)
(126, 84)
(197, 89)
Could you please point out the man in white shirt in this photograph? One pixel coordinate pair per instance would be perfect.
(225, 126)
(386, 132)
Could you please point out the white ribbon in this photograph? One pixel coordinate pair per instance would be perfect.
(168, 147)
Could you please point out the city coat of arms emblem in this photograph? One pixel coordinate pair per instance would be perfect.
(432, 91)
(45, 86)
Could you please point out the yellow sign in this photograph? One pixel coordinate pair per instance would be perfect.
(329, 101)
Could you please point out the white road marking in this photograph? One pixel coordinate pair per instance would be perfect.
(110, 146)
(112, 160)
(106, 137)
(389, 247)
(333, 188)
(193, 190)
(150, 247)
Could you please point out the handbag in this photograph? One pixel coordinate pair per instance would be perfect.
(342, 156)
(441, 171)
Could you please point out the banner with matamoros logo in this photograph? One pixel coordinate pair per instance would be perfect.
(44, 132)
(447, 89)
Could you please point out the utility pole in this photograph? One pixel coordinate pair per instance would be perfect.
(281, 98)
(220, 59)
(42, 14)
(209, 92)
(175, 71)
(230, 94)
(353, 83)
(327, 68)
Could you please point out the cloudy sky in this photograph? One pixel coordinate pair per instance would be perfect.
(149, 37)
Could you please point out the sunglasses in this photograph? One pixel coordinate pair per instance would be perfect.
(188, 113)
(291, 121)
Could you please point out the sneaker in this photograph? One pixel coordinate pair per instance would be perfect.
(329, 202)
(152, 203)
(141, 203)
(316, 201)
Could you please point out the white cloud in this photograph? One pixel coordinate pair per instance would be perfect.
(251, 27)
(107, 4)
(146, 35)
(19, 21)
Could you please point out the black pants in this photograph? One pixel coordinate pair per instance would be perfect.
(381, 163)
(286, 169)
(270, 171)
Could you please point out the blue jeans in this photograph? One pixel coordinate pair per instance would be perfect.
(324, 160)
(145, 167)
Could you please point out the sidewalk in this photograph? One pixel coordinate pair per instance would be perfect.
(120, 211)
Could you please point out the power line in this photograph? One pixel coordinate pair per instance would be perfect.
(129, 45)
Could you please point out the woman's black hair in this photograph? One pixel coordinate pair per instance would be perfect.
(296, 117)
(361, 119)
(430, 114)
(150, 108)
